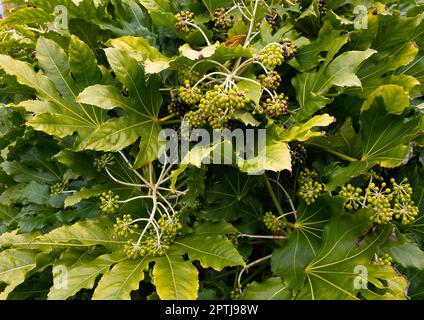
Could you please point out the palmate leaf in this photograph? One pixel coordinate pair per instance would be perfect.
(118, 282)
(58, 114)
(175, 279)
(312, 86)
(82, 276)
(290, 260)
(80, 234)
(142, 109)
(346, 245)
(385, 134)
(14, 266)
(396, 48)
(273, 288)
(141, 50)
(211, 251)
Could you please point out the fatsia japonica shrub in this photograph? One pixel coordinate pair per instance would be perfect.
(330, 207)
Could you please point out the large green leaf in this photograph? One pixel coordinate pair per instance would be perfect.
(212, 251)
(14, 266)
(142, 108)
(385, 134)
(271, 289)
(82, 276)
(290, 260)
(311, 87)
(175, 279)
(345, 246)
(124, 277)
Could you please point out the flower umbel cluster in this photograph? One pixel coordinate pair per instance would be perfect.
(104, 161)
(386, 203)
(273, 223)
(109, 202)
(309, 188)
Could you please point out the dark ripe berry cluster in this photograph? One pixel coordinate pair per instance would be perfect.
(182, 18)
(271, 80)
(105, 160)
(109, 202)
(216, 107)
(309, 188)
(188, 94)
(57, 188)
(271, 18)
(275, 108)
(385, 260)
(289, 49)
(272, 223)
(222, 21)
(178, 107)
(354, 197)
(299, 154)
(125, 226)
(322, 6)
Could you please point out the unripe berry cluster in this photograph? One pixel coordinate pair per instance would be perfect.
(272, 223)
(155, 245)
(104, 161)
(354, 197)
(187, 74)
(385, 260)
(271, 80)
(182, 18)
(125, 226)
(188, 94)
(385, 203)
(221, 20)
(57, 188)
(275, 107)
(216, 107)
(109, 202)
(379, 199)
(309, 189)
(236, 293)
(272, 55)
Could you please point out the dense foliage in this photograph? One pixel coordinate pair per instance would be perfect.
(331, 207)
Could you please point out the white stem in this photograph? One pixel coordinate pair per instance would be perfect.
(129, 164)
(135, 198)
(167, 202)
(261, 64)
(251, 265)
(208, 75)
(123, 182)
(287, 195)
(164, 208)
(200, 30)
(212, 61)
(243, 235)
(252, 24)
